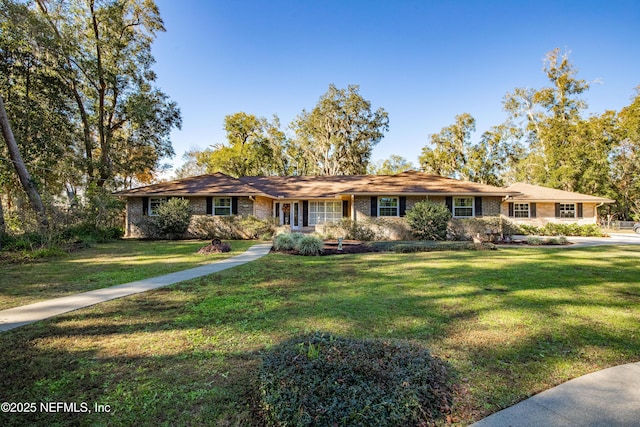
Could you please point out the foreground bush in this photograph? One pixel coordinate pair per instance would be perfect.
(323, 380)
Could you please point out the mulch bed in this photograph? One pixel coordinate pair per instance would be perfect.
(348, 247)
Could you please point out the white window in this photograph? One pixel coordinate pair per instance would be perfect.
(388, 206)
(521, 210)
(324, 212)
(462, 207)
(222, 206)
(154, 204)
(567, 210)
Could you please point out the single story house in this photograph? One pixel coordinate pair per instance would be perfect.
(302, 202)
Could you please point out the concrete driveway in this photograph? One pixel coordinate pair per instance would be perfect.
(615, 239)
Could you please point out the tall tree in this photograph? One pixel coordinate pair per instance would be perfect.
(550, 117)
(254, 147)
(339, 134)
(448, 150)
(452, 152)
(393, 165)
(625, 158)
(102, 51)
(25, 177)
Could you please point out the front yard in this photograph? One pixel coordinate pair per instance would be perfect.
(510, 323)
(105, 264)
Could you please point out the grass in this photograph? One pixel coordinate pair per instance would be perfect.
(511, 323)
(103, 265)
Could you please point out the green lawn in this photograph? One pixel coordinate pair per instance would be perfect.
(510, 323)
(105, 264)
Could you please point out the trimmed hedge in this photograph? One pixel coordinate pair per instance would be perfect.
(233, 227)
(325, 380)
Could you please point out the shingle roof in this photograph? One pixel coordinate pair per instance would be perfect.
(318, 187)
(217, 183)
(412, 182)
(536, 193)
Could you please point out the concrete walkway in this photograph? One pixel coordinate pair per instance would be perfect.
(19, 316)
(606, 398)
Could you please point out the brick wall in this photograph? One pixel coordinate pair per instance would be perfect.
(263, 208)
(546, 212)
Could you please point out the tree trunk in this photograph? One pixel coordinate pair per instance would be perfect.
(25, 178)
(3, 227)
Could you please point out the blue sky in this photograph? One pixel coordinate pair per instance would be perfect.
(424, 62)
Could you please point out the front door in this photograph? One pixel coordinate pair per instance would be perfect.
(290, 214)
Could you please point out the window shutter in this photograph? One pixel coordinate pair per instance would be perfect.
(145, 206)
(449, 202)
(345, 208)
(511, 209)
(305, 213)
(209, 205)
(403, 206)
(234, 206)
(557, 210)
(374, 206)
(532, 210)
(277, 215)
(478, 206)
(579, 210)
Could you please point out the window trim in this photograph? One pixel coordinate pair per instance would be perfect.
(214, 206)
(516, 210)
(397, 206)
(562, 211)
(154, 204)
(454, 206)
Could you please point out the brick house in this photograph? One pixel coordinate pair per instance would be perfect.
(303, 202)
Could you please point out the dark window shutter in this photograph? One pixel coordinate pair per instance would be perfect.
(305, 213)
(403, 206)
(449, 202)
(209, 205)
(345, 208)
(277, 215)
(374, 206)
(145, 206)
(557, 210)
(532, 210)
(478, 206)
(234, 206)
(511, 209)
(579, 210)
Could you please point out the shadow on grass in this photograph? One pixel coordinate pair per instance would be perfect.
(510, 322)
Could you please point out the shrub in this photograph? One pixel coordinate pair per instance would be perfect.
(173, 218)
(171, 222)
(296, 237)
(309, 246)
(534, 241)
(428, 220)
(558, 240)
(323, 380)
(209, 227)
(488, 229)
(283, 242)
